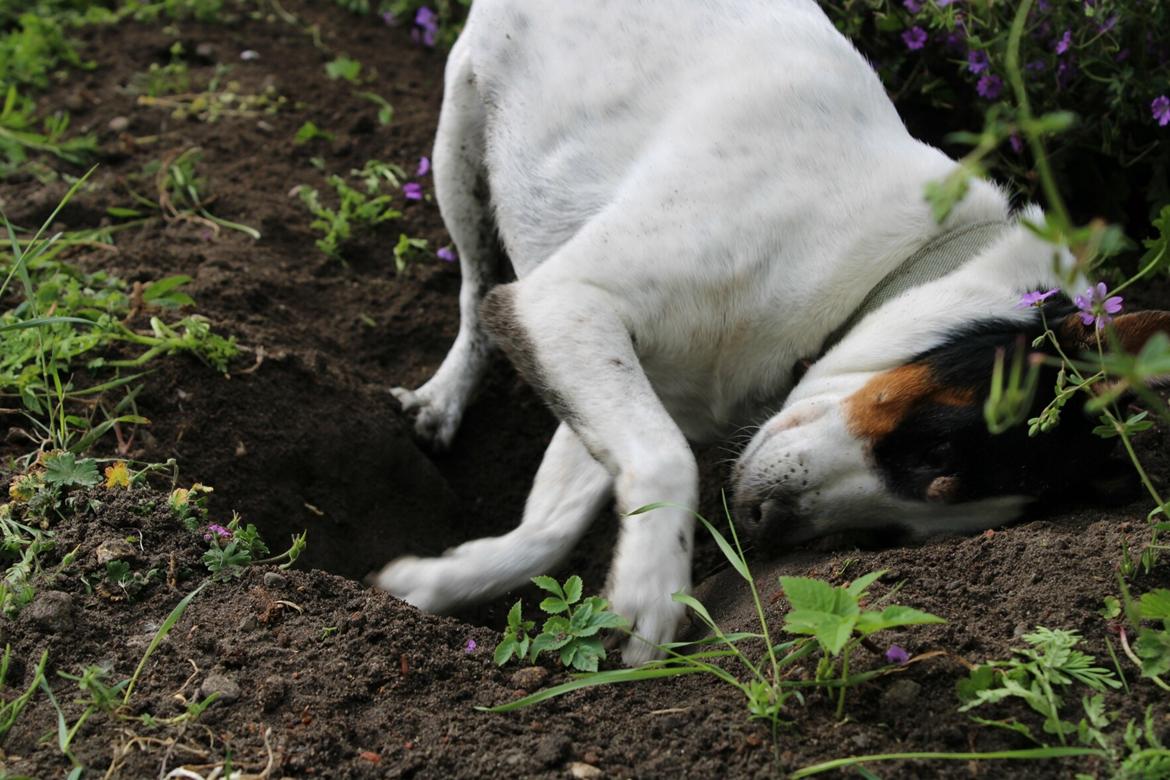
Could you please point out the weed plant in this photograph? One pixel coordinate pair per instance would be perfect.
(828, 621)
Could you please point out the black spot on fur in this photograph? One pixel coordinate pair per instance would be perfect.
(500, 320)
(936, 440)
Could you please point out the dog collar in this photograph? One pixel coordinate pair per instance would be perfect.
(940, 256)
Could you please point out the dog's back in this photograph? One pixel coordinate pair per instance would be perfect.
(589, 106)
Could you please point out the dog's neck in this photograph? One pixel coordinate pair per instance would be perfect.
(940, 256)
(986, 284)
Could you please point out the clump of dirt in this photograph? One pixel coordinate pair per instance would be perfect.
(321, 676)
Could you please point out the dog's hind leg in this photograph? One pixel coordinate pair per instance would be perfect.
(464, 201)
(570, 489)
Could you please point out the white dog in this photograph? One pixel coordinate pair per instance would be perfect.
(695, 196)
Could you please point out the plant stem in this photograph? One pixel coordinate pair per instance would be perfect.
(1027, 754)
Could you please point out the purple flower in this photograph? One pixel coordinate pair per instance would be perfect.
(470, 646)
(977, 61)
(913, 6)
(1096, 305)
(1161, 110)
(943, 3)
(426, 27)
(989, 86)
(897, 655)
(1017, 143)
(424, 166)
(915, 38)
(1109, 24)
(216, 531)
(1065, 73)
(1064, 43)
(447, 255)
(412, 190)
(1035, 298)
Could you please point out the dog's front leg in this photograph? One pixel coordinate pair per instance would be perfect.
(569, 341)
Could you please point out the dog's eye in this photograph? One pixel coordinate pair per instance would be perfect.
(938, 455)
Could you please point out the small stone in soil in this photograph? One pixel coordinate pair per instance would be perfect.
(220, 683)
(274, 579)
(119, 124)
(899, 697)
(583, 771)
(529, 678)
(114, 550)
(52, 610)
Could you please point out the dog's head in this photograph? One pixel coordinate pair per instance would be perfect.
(909, 447)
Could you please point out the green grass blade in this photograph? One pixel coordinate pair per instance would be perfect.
(159, 636)
(1030, 754)
(601, 678)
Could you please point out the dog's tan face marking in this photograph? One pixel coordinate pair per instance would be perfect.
(884, 402)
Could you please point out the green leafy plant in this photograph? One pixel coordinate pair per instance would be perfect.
(310, 132)
(344, 68)
(1037, 676)
(355, 208)
(233, 547)
(407, 249)
(571, 629)
(824, 621)
(10, 710)
(834, 618)
(385, 110)
(131, 583)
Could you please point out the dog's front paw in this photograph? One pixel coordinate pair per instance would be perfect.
(654, 618)
(416, 581)
(436, 417)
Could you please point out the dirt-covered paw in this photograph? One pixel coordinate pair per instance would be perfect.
(653, 618)
(435, 421)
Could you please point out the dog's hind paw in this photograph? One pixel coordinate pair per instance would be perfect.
(436, 418)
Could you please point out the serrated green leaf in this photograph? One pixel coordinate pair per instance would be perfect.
(858, 587)
(891, 617)
(550, 585)
(805, 593)
(504, 651)
(553, 605)
(572, 589)
(66, 470)
(1153, 648)
(830, 629)
(1155, 605)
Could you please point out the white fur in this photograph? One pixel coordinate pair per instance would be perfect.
(693, 194)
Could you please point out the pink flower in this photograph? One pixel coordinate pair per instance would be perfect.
(412, 190)
(1096, 305)
(914, 38)
(1161, 110)
(989, 86)
(216, 531)
(897, 655)
(1035, 298)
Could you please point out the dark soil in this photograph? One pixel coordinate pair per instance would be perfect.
(336, 680)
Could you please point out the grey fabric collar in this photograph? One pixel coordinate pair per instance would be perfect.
(940, 256)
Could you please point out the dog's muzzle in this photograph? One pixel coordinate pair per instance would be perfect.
(769, 519)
